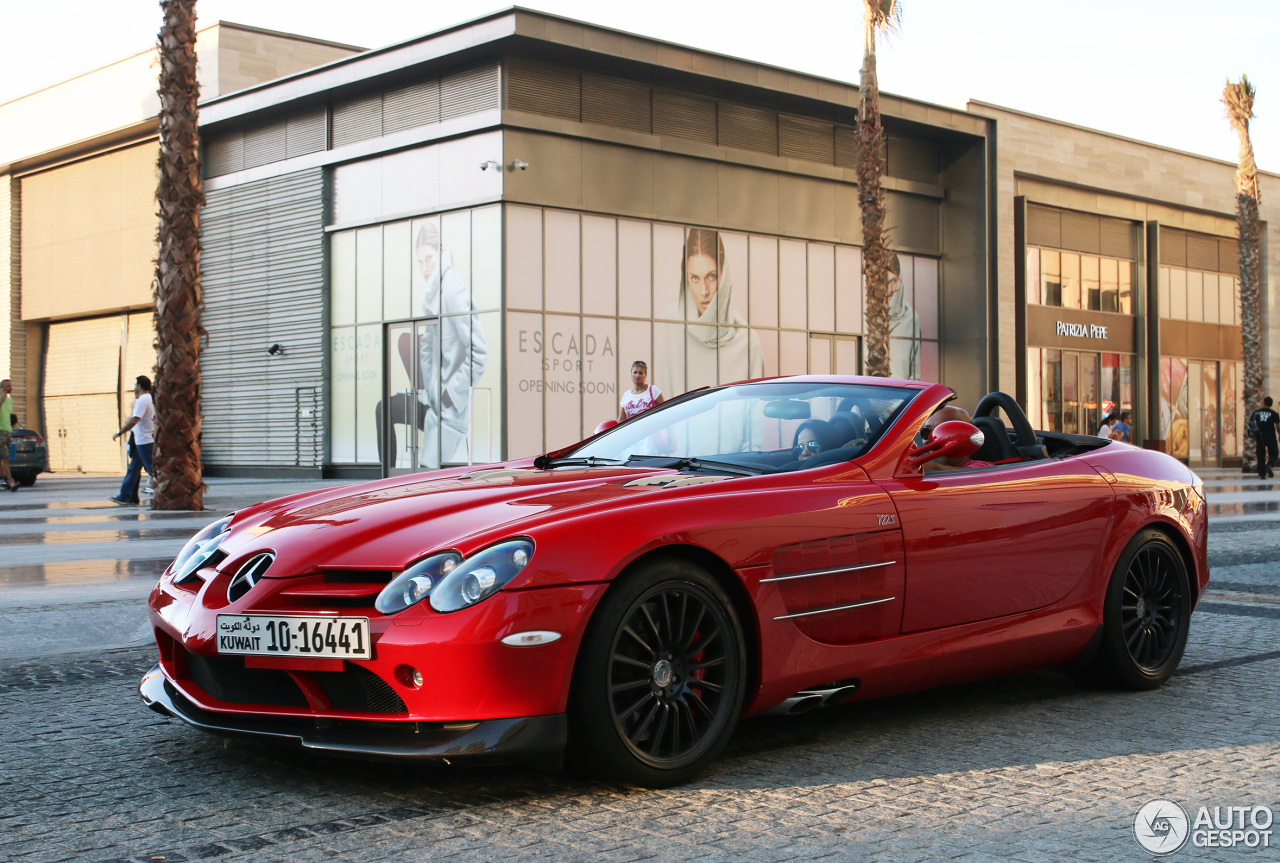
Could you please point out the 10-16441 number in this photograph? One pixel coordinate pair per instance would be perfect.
(262, 635)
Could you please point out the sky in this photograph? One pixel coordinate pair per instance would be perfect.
(1147, 69)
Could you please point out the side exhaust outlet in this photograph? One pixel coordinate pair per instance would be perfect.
(826, 695)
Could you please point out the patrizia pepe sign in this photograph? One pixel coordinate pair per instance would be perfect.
(1081, 331)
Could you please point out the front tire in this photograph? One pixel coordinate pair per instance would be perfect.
(660, 678)
(1146, 614)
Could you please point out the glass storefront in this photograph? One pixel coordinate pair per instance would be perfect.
(1071, 280)
(1201, 413)
(414, 340)
(588, 295)
(1073, 391)
(420, 336)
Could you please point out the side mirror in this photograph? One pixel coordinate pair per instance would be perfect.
(605, 426)
(952, 439)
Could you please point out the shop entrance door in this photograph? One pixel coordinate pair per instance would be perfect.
(1203, 421)
(409, 418)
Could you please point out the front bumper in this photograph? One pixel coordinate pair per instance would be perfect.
(488, 741)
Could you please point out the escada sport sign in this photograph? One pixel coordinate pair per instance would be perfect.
(1082, 331)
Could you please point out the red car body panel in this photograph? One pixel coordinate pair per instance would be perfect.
(982, 573)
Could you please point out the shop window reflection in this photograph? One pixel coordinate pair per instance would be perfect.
(1070, 280)
(1052, 274)
(1090, 286)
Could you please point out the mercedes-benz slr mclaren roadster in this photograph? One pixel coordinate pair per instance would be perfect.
(774, 545)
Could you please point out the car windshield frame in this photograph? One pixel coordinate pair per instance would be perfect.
(644, 426)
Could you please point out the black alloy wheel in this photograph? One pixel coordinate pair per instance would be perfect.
(1146, 615)
(1151, 603)
(661, 677)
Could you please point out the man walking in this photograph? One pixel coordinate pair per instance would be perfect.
(1262, 428)
(6, 432)
(142, 426)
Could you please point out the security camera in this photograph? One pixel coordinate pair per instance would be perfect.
(490, 163)
(275, 349)
(519, 164)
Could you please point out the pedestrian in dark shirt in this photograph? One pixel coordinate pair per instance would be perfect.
(1262, 428)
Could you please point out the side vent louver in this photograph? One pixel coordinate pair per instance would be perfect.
(683, 116)
(542, 89)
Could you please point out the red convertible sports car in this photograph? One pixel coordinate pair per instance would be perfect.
(773, 545)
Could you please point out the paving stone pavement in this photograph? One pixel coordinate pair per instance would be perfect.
(1029, 768)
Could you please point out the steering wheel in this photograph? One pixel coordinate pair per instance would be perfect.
(1026, 443)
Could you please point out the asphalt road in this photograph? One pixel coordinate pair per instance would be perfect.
(1032, 767)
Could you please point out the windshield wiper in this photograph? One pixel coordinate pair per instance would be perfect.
(589, 461)
(694, 463)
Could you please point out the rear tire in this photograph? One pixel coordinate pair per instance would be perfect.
(1146, 615)
(26, 480)
(660, 678)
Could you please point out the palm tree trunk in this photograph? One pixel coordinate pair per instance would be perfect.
(177, 477)
(871, 200)
(1238, 99)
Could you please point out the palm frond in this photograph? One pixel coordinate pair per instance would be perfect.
(1238, 100)
(879, 17)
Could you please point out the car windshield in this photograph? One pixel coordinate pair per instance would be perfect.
(753, 428)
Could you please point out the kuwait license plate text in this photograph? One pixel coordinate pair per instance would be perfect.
(280, 635)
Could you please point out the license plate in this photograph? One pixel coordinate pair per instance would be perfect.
(294, 635)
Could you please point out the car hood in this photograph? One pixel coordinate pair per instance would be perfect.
(387, 524)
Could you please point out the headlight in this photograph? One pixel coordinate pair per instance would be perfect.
(199, 549)
(415, 583)
(481, 576)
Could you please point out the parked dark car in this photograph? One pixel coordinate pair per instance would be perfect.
(28, 456)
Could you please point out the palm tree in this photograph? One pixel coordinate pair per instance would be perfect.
(879, 16)
(1238, 99)
(177, 476)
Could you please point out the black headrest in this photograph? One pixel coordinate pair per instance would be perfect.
(996, 446)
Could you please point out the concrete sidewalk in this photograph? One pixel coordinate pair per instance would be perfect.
(75, 568)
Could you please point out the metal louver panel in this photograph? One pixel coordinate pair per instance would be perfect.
(1044, 227)
(912, 159)
(468, 92)
(308, 133)
(615, 102)
(263, 277)
(1173, 247)
(799, 138)
(1080, 232)
(1229, 256)
(846, 146)
(542, 89)
(409, 107)
(357, 120)
(748, 128)
(1202, 252)
(683, 116)
(224, 154)
(1116, 240)
(265, 144)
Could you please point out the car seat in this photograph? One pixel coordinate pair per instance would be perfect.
(996, 446)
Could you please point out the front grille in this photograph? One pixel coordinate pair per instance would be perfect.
(357, 688)
(226, 679)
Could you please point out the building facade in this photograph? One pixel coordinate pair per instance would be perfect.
(77, 235)
(509, 213)
(1118, 286)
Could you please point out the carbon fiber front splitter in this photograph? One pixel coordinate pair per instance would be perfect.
(527, 738)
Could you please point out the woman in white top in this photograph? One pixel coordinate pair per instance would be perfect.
(641, 397)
